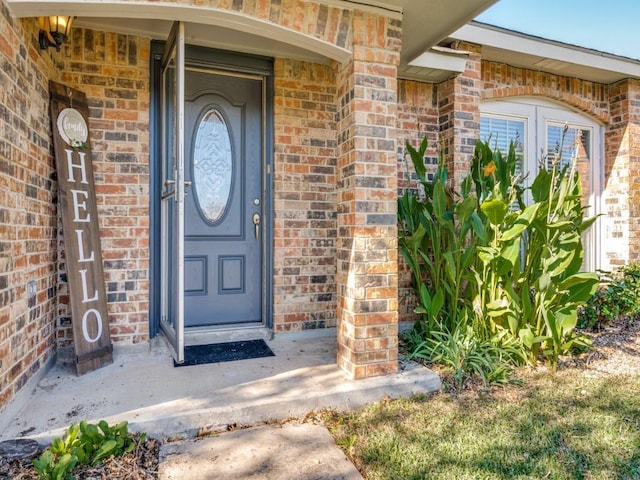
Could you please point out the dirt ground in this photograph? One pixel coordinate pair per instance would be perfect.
(616, 350)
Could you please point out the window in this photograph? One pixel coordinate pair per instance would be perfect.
(501, 131)
(537, 128)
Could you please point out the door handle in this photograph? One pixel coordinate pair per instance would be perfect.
(256, 222)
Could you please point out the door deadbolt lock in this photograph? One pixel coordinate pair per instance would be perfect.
(256, 222)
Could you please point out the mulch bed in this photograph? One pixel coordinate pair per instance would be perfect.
(142, 464)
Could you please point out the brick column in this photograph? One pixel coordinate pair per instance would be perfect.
(459, 113)
(621, 197)
(367, 267)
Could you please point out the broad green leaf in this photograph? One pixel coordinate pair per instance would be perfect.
(521, 223)
(415, 240)
(495, 210)
(450, 265)
(544, 281)
(57, 446)
(562, 225)
(104, 450)
(513, 324)
(511, 253)
(439, 200)
(465, 208)
(567, 319)
(503, 267)
(63, 466)
(580, 287)
(559, 265)
(478, 227)
(587, 223)
(425, 297)
(527, 337)
(541, 186)
(437, 303)
(487, 254)
(418, 161)
(498, 308)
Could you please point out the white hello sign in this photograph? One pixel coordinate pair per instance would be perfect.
(80, 227)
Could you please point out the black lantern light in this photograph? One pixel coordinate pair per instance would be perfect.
(54, 31)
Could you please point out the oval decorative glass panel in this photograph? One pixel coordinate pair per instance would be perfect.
(212, 166)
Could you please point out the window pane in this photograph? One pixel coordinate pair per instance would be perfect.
(500, 132)
(576, 143)
(212, 166)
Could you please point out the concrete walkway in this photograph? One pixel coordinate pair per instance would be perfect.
(290, 452)
(173, 404)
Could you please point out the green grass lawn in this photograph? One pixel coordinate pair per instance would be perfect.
(555, 426)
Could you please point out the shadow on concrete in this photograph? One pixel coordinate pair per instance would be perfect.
(145, 389)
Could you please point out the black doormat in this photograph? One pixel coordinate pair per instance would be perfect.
(224, 352)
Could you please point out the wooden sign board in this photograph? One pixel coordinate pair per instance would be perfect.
(77, 201)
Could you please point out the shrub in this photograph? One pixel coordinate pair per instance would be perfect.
(618, 296)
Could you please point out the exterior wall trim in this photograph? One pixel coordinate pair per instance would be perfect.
(488, 35)
(182, 12)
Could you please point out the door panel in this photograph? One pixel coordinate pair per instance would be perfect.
(223, 248)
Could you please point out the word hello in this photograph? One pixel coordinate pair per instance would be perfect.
(80, 218)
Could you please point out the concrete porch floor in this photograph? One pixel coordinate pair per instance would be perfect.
(144, 388)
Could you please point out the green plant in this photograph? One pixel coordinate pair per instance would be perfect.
(617, 296)
(84, 443)
(436, 238)
(52, 467)
(482, 258)
(465, 356)
(530, 279)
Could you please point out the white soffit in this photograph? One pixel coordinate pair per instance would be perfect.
(536, 53)
(442, 59)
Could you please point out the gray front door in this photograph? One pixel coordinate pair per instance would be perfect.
(223, 211)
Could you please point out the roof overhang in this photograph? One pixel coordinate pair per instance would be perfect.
(425, 24)
(435, 65)
(535, 53)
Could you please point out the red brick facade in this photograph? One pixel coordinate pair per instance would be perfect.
(28, 221)
(304, 272)
(113, 70)
(338, 151)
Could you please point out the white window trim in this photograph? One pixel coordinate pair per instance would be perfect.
(537, 114)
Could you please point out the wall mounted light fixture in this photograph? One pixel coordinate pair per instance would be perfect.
(54, 31)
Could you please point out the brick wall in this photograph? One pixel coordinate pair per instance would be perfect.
(304, 283)
(500, 81)
(417, 118)
(459, 113)
(28, 252)
(113, 70)
(621, 199)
